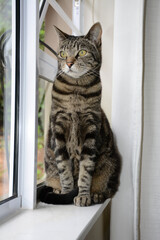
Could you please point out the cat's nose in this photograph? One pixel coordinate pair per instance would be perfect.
(70, 64)
(70, 61)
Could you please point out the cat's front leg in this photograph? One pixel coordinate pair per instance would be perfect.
(87, 166)
(63, 161)
(84, 183)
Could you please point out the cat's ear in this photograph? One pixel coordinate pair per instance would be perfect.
(95, 34)
(62, 35)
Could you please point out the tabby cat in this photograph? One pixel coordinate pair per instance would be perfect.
(82, 163)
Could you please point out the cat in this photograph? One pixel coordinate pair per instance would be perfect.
(82, 162)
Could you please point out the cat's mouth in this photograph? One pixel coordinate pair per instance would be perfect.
(73, 73)
(70, 71)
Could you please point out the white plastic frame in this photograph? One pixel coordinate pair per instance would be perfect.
(28, 102)
(77, 15)
(44, 11)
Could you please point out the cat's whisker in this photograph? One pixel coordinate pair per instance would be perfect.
(92, 73)
(59, 73)
(95, 72)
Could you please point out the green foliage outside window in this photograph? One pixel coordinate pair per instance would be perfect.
(41, 97)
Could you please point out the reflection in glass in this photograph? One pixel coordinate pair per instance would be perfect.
(5, 98)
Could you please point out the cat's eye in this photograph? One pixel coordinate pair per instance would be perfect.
(82, 53)
(63, 54)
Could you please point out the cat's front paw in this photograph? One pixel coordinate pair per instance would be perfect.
(82, 200)
(57, 191)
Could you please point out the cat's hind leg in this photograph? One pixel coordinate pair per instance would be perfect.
(55, 184)
(97, 198)
(104, 184)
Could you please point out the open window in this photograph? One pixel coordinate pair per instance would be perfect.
(70, 20)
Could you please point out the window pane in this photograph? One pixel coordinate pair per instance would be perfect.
(41, 102)
(40, 160)
(7, 93)
(43, 117)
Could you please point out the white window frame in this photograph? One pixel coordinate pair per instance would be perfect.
(28, 121)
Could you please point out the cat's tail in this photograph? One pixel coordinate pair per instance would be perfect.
(46, 195)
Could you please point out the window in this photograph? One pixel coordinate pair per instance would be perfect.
(9, 84)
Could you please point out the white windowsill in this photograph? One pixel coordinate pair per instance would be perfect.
(52, 222)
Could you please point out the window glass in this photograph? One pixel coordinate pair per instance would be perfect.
(48, 35)
(41, 102)
(42, 89)
(7, 111)
(44, 106)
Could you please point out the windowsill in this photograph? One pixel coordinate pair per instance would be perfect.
(52, 222)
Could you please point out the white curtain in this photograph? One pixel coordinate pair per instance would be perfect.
(150, 174)
(135, 212)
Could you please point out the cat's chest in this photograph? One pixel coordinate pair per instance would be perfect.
(70, 99)
(76, 101)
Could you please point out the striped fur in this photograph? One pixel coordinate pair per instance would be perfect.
(80, 150)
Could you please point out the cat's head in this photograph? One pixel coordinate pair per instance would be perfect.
(79, 55)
